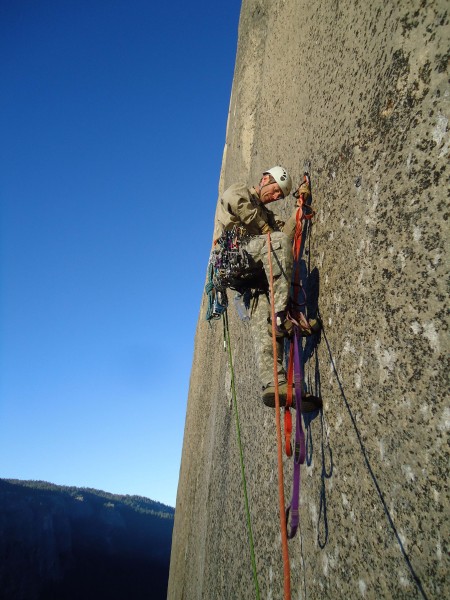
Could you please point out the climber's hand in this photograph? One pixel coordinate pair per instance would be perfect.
(303, 190)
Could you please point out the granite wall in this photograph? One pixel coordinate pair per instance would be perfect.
(357, 93)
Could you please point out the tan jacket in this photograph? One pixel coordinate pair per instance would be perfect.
(241, 206)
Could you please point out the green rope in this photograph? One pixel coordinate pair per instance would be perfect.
(241, 454)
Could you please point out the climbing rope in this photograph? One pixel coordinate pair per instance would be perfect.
(292, 510)
(241, 453)
(294, 373)
(284, 543)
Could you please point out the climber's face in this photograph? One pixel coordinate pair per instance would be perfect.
(269, 192)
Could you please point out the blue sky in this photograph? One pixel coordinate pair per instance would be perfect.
(112, 126)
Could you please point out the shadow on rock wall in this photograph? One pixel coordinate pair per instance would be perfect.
(311, 284)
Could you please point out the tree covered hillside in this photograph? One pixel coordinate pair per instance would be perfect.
(62, 543)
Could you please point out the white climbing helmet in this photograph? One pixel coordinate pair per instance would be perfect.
(282, 177)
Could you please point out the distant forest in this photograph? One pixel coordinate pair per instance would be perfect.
(67, 543)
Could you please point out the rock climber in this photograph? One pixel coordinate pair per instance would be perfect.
(248, 208)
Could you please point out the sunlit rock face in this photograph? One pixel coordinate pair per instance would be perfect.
(357, 93)
(62, 543)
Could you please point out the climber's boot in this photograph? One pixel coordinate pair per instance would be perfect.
(310, 403)
(268, 395)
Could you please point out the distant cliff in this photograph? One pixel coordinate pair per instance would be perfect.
(357, 93)
(67, 543)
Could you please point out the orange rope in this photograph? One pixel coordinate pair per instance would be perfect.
(284, 544)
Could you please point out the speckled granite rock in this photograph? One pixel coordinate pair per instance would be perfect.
(358, 93)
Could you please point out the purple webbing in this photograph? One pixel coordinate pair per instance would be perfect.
(300, 446)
